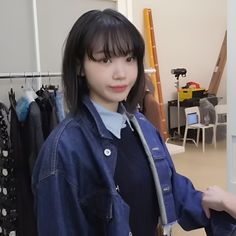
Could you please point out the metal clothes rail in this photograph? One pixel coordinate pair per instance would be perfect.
(45, 74)
(29, 75)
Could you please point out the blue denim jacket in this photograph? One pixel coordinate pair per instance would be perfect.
(73, 184)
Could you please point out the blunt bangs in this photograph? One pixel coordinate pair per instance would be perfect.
(113, 38)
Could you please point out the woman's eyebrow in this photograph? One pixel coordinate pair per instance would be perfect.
(102, 52)
(99, 52)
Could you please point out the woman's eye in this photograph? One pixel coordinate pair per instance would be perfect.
(106, 60)
(130, 59)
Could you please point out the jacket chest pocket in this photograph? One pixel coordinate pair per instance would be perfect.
(97, 210)
(98, 205)
(107, 214)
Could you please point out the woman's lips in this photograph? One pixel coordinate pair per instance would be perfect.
(119, 88)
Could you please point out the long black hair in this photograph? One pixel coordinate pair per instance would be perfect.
(118, 36)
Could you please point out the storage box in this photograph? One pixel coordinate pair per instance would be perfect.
(189, 93)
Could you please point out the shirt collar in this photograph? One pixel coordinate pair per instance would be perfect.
(113, 121)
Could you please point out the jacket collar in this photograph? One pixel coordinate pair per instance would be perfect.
(114, 121)
(102, 129)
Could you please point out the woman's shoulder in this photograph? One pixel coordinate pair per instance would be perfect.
(69, 124)
(59, 149)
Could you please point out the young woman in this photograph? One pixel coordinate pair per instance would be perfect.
(105, 169)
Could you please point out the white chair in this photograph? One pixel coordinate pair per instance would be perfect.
(221, 117)
(174, 149)
(192, 115)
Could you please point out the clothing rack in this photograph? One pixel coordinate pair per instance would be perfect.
(29, 75)
(36, 84)
(45, 74)
(40, 75)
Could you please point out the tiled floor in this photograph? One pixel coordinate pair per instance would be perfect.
(203, 169)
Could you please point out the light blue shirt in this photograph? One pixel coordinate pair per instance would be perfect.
(113, 121)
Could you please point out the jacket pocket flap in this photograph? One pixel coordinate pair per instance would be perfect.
(99, 204)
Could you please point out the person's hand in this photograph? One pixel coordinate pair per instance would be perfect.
(214, 198)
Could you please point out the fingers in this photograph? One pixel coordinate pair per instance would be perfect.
(212, 199)
(207, 200)
(207, 211)
(204, 206)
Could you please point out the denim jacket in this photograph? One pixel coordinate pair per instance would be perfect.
(73, 184)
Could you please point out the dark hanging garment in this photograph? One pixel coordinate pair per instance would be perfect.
(32, 135)
(26, 223)
(47, 108)
(27, 138)
(8, 214)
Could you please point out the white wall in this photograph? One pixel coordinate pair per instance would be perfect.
(56, 17)
(17, 41)
(231, 69)
(188, 34)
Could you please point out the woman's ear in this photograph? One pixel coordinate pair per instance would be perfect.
(80, 71)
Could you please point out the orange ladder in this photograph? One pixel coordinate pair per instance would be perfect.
(153, 63)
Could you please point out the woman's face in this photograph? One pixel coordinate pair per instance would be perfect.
(110, 79)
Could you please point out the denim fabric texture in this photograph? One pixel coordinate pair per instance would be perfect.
(73, 184)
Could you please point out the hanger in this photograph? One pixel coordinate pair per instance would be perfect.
(28, 92)
(11, 94)
(50, 86)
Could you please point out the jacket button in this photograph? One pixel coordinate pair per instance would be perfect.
(107, 152)
(117, 188)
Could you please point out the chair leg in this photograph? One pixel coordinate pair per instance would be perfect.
(203, 140)
(214, 135)
(198, 134)
(185, 136)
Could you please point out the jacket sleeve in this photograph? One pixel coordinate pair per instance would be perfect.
(188, 203)
(190, 214)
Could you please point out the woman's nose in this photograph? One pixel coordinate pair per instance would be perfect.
(119, 71)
